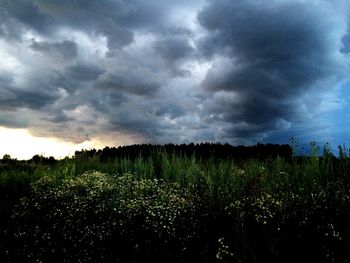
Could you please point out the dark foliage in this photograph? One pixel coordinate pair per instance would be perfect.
(202, 150)
(176, 203)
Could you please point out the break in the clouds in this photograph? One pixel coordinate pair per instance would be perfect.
(174, 71)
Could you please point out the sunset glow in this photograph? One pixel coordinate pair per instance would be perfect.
(20, 144)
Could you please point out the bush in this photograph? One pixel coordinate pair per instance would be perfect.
(96, 217)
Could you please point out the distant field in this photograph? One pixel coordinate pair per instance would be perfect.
(191, 203)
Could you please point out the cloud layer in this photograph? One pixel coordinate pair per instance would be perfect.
(173, 71)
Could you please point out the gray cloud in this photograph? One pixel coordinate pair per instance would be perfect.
(62, 50)
(346, 44)
(10, 119)
(136, 82)
(173, 49)
(83, 72)
(59, 117)
(13, 97)
(271, 55)
(117, 20)
(180, 71)
(147, 118)
(27, 13)
(70, 86)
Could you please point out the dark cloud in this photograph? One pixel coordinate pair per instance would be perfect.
(6, 78)
(59, 117)
(147, 119)
(346, 44)
(77, 87)
(11, 120)
(117, 36)
(13, 98)
(117, 20)
(173, 49)
(36, 94)
(83, 72)
(179, 71)
(269, 56)
(139, 81)
(7, 97)
(65, 50)
(27, 13)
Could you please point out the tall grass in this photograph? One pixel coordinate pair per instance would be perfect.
(169, 205)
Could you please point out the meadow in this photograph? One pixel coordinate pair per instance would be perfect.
(211, 203)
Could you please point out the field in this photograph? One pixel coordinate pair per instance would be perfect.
(177, 204)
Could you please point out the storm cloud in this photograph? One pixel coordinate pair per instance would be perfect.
(266, 59)
(173, 71)
(63, 50)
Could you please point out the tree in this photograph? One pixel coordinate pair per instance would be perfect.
(6, 157)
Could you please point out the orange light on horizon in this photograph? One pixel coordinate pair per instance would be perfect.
(20, 144)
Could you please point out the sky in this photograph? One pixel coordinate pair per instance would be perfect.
(89, 73)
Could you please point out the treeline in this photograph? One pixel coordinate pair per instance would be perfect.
(200, 151)
(7, 160)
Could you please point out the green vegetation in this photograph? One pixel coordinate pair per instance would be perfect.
(176, 207)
